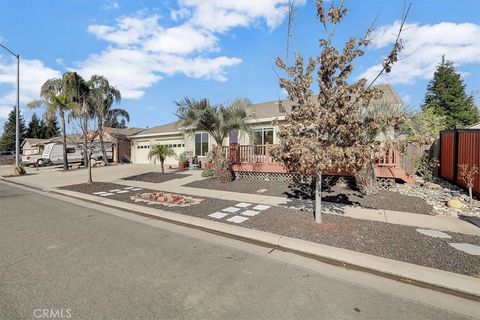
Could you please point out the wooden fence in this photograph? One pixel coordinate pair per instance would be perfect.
(457, 147)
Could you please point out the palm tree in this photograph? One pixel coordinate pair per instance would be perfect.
(79, 94)
(218, 121)
(161, 152)
(103, 95)
(53, 96)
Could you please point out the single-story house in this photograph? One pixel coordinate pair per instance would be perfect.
(120, 142)
(474, 126)
(263, 117)
(31, 146)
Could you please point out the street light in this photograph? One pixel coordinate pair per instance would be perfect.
(17, 109)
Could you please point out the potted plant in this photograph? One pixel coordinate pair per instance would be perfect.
(208, 161)
(182, 161)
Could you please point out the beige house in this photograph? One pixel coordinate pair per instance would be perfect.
(264, 131)
(31, 146)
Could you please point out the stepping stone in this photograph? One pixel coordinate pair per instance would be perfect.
(261, 207)
(106, 194)
(467, 248)
(243, 205)
(249, 213)
(137, 189)
(218, 215)
(238, 219)
(434, 233)
(128, 188)
(231, 209)
(101, 192)
(262, 190)
(114, 190)
(123, 191)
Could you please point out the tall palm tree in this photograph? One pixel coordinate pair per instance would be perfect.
(161, 152)
(79, 94)
(53, 96)
(103, 95)
(218, 121)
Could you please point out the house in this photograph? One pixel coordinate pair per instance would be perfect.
(120, 142)
(263, 119)
(474, 126)
(31, 146)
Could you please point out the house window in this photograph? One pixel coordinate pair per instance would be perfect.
(201, 144)
(263, 136)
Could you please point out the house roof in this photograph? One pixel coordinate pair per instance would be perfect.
(271, 109)
(474, 126)
(33, 141)
(169, 128)
(123, 132)
(265, 111)
(71, 138)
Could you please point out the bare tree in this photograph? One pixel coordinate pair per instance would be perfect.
(326, 132)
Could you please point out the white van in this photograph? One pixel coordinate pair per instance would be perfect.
(53, 153)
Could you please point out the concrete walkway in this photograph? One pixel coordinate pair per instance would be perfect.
(51, 179)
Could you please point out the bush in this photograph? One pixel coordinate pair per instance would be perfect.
(426, 168)
(208, 173)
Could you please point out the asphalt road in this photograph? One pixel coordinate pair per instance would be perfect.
(80, 263)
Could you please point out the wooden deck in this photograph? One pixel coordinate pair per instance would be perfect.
(257, 158)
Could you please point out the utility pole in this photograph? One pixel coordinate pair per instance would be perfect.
(17, 108)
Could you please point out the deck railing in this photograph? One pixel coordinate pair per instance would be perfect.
(238, 154)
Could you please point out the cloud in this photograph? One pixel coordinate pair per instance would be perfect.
(143, 49)
(33, 73)
(424, 46)
(110, 5)
(222, 15)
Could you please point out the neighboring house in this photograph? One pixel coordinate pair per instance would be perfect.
(120, 142)
(474, 126)
(31, 146)
(264, 131)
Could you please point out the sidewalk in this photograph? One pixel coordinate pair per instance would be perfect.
(52, 179)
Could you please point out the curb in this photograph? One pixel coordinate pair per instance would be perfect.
(438, 280)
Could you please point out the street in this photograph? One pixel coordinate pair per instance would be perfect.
(81, 263)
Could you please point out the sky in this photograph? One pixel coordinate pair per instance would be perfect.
(158, 52)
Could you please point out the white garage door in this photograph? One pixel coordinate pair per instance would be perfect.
(177, 145)
(141, 152)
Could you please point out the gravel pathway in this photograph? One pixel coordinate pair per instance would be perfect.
(156, 177)
(388, 200)
(377, 238)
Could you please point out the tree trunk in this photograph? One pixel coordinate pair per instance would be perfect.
(367, 179)
(470, 193)
(318, 198)
(102, 144)
(89, 166)
(221, 164)
(64, 137)
(162, 161)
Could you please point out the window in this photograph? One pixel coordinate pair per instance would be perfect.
(263, 136)
(70, 150)
(201, 144)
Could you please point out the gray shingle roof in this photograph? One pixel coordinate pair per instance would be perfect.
(123, 132)
(262, 111)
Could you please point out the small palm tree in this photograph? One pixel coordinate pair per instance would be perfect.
(161, 152)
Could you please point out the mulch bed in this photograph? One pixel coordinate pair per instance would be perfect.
(387, 200)
(391, 241)
(156, 177)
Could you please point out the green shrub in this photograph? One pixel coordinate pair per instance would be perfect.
(208, 173)
(426, 167)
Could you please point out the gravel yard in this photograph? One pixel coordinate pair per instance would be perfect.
(388, 200)
(382, 239)
(156, 177)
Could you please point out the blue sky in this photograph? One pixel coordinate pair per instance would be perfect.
(157, 52)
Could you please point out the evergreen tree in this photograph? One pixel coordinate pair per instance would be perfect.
(50, 128)
(446, 96)
(35, 128)
(7, 141)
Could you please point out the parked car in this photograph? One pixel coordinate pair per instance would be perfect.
(30, 159)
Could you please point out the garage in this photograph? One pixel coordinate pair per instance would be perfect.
(177, 145)
(142, 148)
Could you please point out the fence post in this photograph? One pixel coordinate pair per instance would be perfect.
(455, 154)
